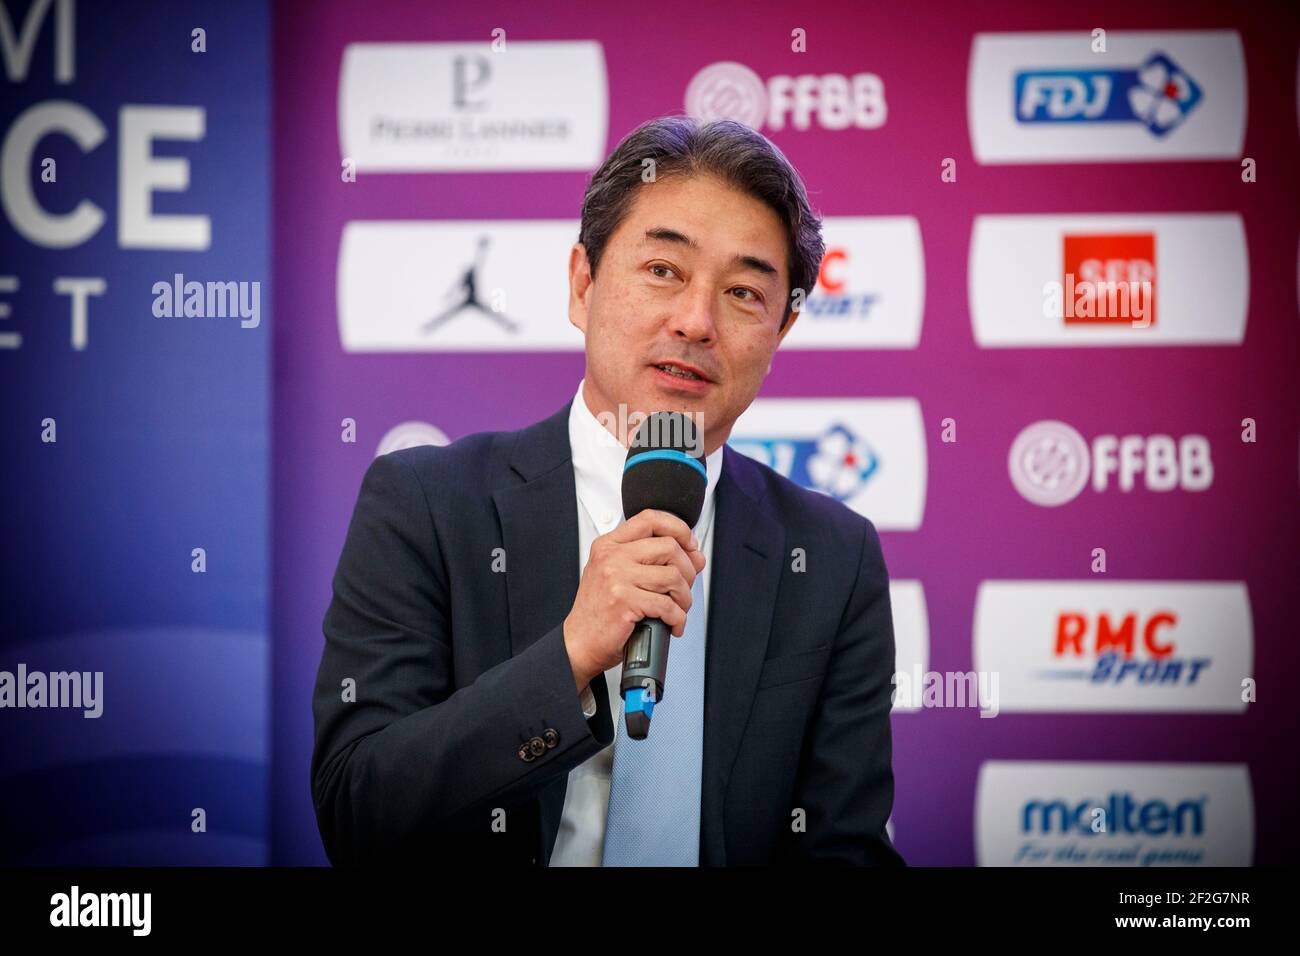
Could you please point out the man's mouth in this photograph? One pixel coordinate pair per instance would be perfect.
(682, 371)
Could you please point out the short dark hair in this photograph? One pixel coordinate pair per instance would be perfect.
(741, 157)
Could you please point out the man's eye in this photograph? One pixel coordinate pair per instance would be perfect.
(655, 269)
(752, 296)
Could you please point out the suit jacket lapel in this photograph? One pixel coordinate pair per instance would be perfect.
(538, 511)
(539, 528)
(748, 550)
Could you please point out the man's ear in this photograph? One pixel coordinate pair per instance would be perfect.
(789, 324)
(780, 336)
(579, 286)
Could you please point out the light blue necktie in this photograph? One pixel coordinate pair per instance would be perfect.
(654, 793)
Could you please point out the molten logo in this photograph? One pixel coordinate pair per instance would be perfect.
(1120, 814)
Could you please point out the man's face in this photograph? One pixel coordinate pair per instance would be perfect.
(694, 280)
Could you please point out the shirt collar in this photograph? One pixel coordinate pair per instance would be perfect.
(598, 459)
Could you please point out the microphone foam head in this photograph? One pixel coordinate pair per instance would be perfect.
(663, 469)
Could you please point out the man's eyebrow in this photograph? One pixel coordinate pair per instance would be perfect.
(664, 234)
(757, 264)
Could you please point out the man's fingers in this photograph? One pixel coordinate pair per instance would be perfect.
(665, 608)
(650, 522)
(665, 579)
(665, 551)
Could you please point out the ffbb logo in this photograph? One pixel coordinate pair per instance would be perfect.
(1050, 463)
(835, 101)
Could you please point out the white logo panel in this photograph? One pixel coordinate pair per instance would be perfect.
(911, 636)
(1201, 280)
(438, 107)
(1032, 813)
(1152, 96)
(456, 286)
(868, 453)
(870, 290)
(1116, 646)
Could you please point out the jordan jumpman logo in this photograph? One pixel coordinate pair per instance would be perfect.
(469, 297)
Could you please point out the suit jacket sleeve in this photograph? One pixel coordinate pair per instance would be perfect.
(846, 781)
(414, 758)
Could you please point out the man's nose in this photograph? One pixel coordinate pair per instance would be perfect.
(693, 318)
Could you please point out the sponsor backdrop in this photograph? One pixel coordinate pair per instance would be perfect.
(1052, 353)
(136, 470)
(1053, 293)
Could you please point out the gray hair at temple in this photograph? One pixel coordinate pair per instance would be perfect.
(739, 156)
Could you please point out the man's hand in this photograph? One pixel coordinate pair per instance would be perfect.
(643, 568)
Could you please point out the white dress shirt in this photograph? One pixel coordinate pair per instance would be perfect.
(598, 459)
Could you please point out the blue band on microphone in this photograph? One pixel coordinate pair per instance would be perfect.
(637, 699)
(666, 454)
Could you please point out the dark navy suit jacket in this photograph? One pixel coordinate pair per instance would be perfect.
(465, 720)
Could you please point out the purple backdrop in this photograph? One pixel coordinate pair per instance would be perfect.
(976, 527)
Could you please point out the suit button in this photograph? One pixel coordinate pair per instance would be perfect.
(537, 745)
(551, 736)
(525, 753)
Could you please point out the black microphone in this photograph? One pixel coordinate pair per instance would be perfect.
(661, 473)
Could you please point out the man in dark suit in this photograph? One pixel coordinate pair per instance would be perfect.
(467, 705)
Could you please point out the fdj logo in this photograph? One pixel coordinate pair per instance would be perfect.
(837, 463)
(1158, 94)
